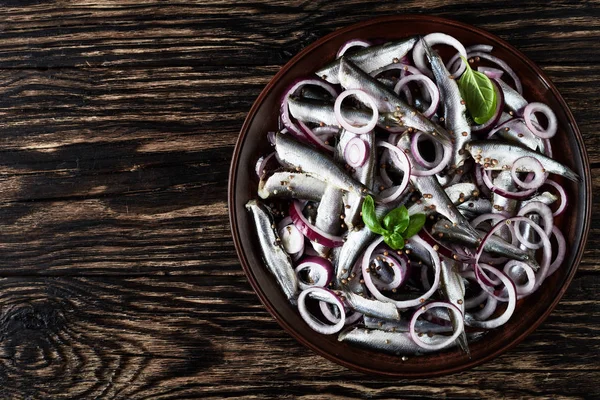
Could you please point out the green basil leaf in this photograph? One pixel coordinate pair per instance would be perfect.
(478, 93)
(396, 220)
(414, 226)
(370, 218)
(395, 241)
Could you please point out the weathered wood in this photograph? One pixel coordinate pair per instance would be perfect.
(119, 278)
(171, 337)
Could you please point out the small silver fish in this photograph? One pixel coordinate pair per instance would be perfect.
(500, 204)
(453, 288)
(352, 77)
(475, 207)
(403, 325)
(455, 110)
(288, 185)
(370, 58)
(328, 216)
(502, 155)
(274, 256)
(372, 308)
(307, 159)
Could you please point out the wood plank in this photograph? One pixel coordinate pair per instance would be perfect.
(84, 33)
(170, 337)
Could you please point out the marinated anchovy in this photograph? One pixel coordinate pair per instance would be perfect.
(320, 112)
(501, 156)
(352, 77)
(475, 207)
(275, 257)
(370, 59)
(453, 288)
(291, 185)
(501, 204)
(494, 245)
(421, 325)
(328, 216)
(307, 159)
(455, 110)
(372, 308)
(517, 131)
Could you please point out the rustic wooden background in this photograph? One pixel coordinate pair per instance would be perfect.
(119, 279)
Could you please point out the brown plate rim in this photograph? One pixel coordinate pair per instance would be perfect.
(249, 120)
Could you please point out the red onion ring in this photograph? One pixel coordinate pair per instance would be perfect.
(487, 180)
(364, 98)
(310, 231)
(447, 340)
(399, 266)
(407, 171)
(528, 164)
(562, 194)
(262, 163)
(407, 303)
(531, 109)
(356, 152)
(522, 290)
(319, 266)
(416, 153)
(492, 73)
(433, 39)
(488, 309)
(510, 308)
(303, 133)
(315, 324)
(350, 44)
(543, 211)
(431, 87)
(561, 252)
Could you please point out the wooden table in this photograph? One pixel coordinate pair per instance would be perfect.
(119, 276)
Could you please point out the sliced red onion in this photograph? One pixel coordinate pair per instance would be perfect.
(291, 239)
(350, 44)
(561, 251)
(416, 153)
(492, 73)
(562, 194)
(356, 152)
(398, 265)
(487, 180)
(512, 269)
(488, 309)
(263, 162)
(510, 307)
(407, 303)
(458, 70)
(404, 165)
(314, 323)
(303, 133)
(364, 98)
(475, 301)
(351, 317)
(319, 268)
(501, 64)
(313, 233)
(528, 164)
(490, 123)
(433, 39)
(447, 341)
(484, 280)
(547, 148)
(429, 84)
(531, 109)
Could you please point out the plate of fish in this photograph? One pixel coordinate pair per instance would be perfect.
(410, 196)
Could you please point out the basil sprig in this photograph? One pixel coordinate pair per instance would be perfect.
(478, 93)
(397, 224)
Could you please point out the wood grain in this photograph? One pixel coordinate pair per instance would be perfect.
(119, 278)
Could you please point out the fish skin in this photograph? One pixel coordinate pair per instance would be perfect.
(304, 186)
(507, 153)
(370, 58)
(364, 174)
(455, 110)
(276, 259)
(372, 308)
(352, 77)
(317, 112)
(453, 288)
(328, 216)
(307, 159)
(398, 343)
(519, 132)
(404, 325)
(429, 186)
(474, 207)
(494, 244)
(454, 191)
(500, 204)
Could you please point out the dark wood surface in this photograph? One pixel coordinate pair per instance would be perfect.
(119, 278)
